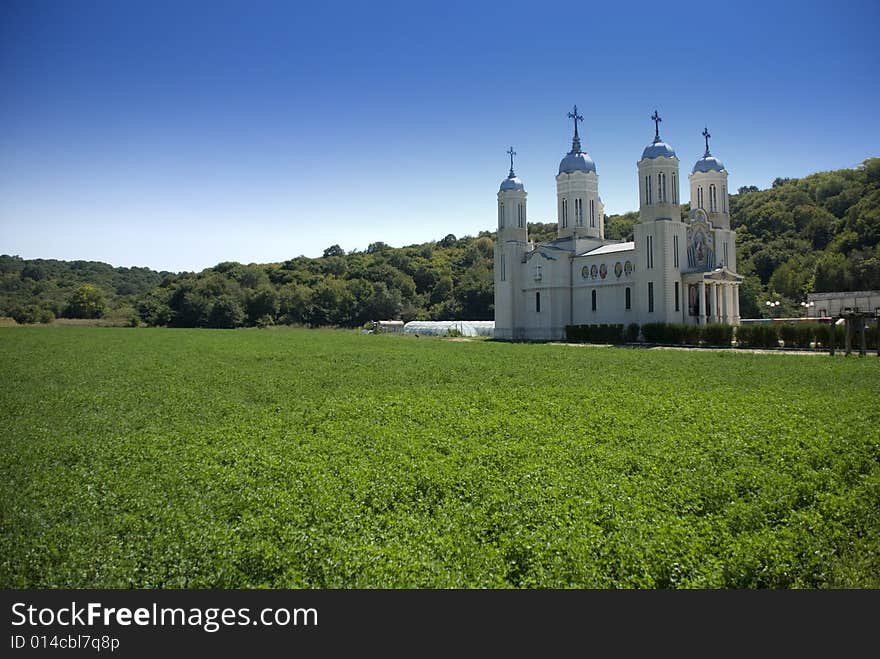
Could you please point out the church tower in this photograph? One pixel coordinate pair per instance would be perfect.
(510, 246)
(658, 180)
(579, 210)
(708, 181)
(659, 234)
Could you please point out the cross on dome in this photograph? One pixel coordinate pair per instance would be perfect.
(511, 153)
(707, 135)
(656, 119)
(576, 142)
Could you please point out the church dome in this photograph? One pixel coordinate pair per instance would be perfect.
(577, 162)
(658, 149)
(512, 182)
(708, 163)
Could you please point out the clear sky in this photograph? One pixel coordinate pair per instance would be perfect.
(176, 135)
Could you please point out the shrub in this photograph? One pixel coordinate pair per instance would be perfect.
(768, 336)
(594, 333)
(717, 334)
(788, 334)
(807, 333)
(745, 336)
(654, 332)
(631, 335)
(691, 334)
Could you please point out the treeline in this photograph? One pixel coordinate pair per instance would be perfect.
(818, 233)
(451, 278)
(40, 290)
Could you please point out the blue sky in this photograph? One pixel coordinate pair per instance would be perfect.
(176, 135)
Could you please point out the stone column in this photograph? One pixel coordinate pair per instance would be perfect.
(719, 290)
(736, 303)
(713, 298)
(702, 302)
(725, 299)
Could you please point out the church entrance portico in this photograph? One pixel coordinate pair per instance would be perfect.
(713, 297)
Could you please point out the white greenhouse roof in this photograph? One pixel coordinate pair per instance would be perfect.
(442, 327)
(610, 249)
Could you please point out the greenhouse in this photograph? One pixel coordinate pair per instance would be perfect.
(443, 327)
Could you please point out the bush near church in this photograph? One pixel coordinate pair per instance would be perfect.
(595, 333)
(757, 336)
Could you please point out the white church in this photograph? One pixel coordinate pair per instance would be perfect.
(674, 271)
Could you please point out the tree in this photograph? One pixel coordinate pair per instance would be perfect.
(225, 313)
(262, 305)
(294, 303)
(832, 273)
(334, 250)
(87, 301)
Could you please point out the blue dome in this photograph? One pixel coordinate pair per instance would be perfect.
(658, 150)
(708, 163)
(511, 183)
(577, 162)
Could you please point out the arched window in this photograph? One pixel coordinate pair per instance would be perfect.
(564, 213)
(628, 298)
(594, 299)
(521, 216)
(579, 211)
(677, 301)
(503, 268)
(713, 199)
(700, 197)
(592, 213)
(674, 188)
(500, 215)
(538, 302)
(661, 187)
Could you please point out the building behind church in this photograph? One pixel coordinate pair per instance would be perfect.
(674, 270)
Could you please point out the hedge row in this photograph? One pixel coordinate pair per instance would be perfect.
(685, 334)
(747, 336)
(602, 333)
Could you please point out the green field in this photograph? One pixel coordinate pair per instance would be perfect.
(332, 459)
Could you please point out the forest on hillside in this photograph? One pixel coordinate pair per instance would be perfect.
(814, 234)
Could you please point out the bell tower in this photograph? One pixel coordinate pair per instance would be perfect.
(580, 213)
(708, 181)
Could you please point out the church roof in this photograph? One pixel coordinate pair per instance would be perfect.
(577, 162)
(611, 248)
(657, 150)
(708, 163)
(512, 182)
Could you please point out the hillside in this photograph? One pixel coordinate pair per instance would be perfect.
(818, 233)
(39, 290)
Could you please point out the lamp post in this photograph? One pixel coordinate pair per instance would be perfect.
(807, 306)
(771, 306)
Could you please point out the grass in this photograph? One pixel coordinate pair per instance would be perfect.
(299, 459)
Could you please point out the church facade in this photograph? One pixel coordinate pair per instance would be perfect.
(673, 271)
